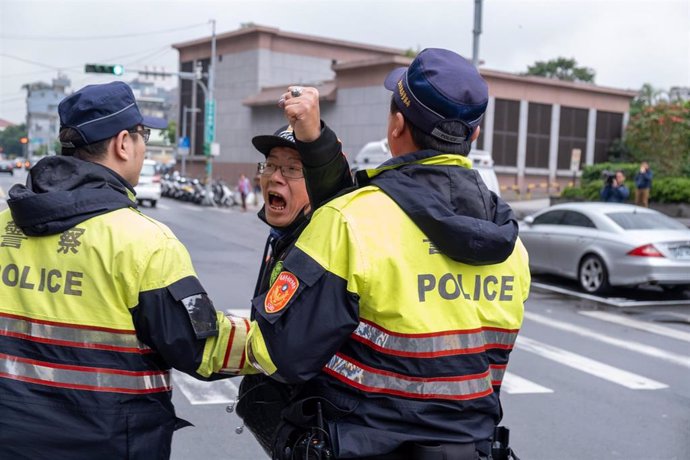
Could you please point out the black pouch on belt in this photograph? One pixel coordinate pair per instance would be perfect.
(423, 451)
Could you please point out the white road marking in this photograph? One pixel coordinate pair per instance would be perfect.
(590, 366)
(200, 392)
(163, 206)
(516, 385)
(636, 324)
(613, 301)
(628, 345)
(2, 193)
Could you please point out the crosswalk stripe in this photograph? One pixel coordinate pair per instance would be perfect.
(199, 392)
(163, 206)
(633, 346)
(587, 365)
(514, 384)
(636, 324)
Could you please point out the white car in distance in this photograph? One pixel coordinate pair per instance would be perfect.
(149, 186)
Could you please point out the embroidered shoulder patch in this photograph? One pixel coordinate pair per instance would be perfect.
(281, 292)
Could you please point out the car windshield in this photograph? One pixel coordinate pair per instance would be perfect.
(645, 221)
(148, 170)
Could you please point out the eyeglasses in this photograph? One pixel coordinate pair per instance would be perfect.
(288, 172)
(145, 133)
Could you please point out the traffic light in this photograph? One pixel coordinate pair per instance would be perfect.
(115, 69)
(23, 140)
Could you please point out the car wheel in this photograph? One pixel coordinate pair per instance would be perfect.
(593, 275)
(153, 203)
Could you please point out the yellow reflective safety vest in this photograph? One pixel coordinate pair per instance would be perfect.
(97, 303)
(400, 305)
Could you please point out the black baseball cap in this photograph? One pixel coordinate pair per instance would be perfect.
(99, 112)
(284, 137)
(439, 85)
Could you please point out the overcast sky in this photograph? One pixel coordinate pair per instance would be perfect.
(627, 43)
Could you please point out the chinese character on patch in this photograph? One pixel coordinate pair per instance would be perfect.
(432, 247)
(13, 236)
(69, 240)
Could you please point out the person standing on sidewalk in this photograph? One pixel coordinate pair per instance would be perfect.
(243, 187)
(643, 185)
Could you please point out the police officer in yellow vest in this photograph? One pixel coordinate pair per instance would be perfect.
(401, 301)
(98, 301)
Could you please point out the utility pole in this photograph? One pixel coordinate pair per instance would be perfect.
(476, 32)
(210, 122)
(192, 136)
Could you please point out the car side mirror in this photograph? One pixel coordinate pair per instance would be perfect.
(529, 220)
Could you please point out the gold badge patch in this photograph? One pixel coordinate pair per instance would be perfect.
(281, 292)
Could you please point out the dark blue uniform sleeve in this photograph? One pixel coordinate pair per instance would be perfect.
(176, 321)
(326, 170)
(303, 336)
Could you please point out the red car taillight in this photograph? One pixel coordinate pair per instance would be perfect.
(648, 250)
(156, 179)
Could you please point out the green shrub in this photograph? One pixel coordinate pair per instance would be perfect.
(670, 190)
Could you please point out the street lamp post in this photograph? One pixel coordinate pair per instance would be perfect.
(210, 122)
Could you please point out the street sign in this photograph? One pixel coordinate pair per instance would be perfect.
(575, 155)
(183, 146)
(209, 124)
(215, 149)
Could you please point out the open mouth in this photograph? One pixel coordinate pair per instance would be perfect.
(276, 201)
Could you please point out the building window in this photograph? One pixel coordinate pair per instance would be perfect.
(572, 135)
(609, 129)
(538, 135)
(506, 122)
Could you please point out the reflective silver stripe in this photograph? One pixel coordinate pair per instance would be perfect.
(372, 380)
(71, 335)
(497, 373)
(107, 116)
(432, 345)
(83, 377)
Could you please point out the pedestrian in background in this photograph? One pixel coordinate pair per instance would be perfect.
(100, 301)
(401, 301)
(243, 187)
(643, 185)
(614, 189)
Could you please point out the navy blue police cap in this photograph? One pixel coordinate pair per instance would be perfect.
(99, 112)
(438, 86)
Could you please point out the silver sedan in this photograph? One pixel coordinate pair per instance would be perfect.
(608, 244)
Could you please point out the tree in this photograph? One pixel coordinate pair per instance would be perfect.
(646, 97)
(562, 69)
(660, 134)
(9, 140)
(169, 134)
